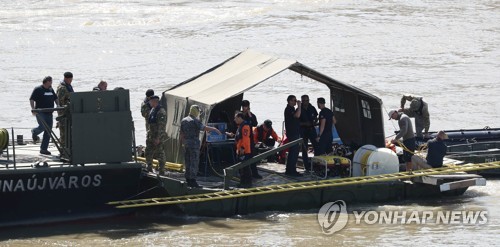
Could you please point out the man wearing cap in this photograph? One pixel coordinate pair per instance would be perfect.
(146, 107)
(308, 119)
(190, 137)
(325, 135)
(405, 132)
(420, 111)
(436, 150)
(156, 135)
(292, 127)
(43, 96)
(264, 137)
(265, 133)
(63, 91)
(249, 116)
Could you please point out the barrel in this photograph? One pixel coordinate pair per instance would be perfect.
(360, 153)
(370, 160)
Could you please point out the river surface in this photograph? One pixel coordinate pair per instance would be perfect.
(447, 51)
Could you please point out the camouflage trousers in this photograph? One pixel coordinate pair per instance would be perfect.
(62, 133)
(155, 151)
(419, 126)
(192, 161)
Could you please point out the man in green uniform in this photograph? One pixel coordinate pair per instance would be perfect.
(63, 91)
(146, 107)
(420, 111)
(157, 121)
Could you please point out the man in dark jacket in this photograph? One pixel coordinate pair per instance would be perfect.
(325, 135)
(308, 119)
(292, 128)
(436, 150)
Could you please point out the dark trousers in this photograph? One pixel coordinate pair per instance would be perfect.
(411, 145)
(47, 117)
(324, 145)
(269, 146)
(307, 134)
(253, 168)
(270, 142)
(293, 155)
(246, 172)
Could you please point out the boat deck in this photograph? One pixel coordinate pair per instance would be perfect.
(27, 156)
(272, 173)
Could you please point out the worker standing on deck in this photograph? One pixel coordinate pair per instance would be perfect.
(292, 127)
(325, 135)
(63, 91)
(436, 150)
(190, 137)
(420, 111)
(405, 132)
(156, 135)
(43, 96)
(146, 107)
(243, 139)
(308, 119)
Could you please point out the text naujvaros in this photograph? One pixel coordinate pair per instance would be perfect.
(50, 183)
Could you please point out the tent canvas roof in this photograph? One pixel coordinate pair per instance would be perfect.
(236, 75)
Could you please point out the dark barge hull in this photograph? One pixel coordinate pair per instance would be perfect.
(479, 152)
(62, 193)
(382, 192)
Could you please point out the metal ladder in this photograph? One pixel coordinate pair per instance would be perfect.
(228, 194)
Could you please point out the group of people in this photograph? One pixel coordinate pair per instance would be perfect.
(44, 97)
(249, 136)
(156, 121)
(301, 122)
(436, 147)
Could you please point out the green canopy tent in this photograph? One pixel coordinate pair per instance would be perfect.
(220, 89)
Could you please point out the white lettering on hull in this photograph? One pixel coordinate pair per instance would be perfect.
(52, 183)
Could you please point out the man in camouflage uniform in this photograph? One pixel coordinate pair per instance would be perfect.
(157, 121)
(420, 111)
(63, 91)
(146, 107)
(190, 136)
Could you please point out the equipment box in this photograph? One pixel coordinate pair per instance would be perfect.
(213, 136)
